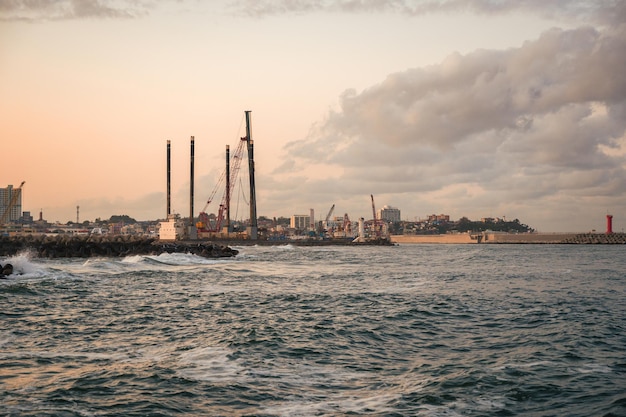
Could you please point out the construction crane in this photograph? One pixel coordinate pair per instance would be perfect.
(205, 224)
(14, 196)
(330, 213)
(347, 225)
(375, 221)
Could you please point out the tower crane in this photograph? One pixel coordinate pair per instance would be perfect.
(14, 196)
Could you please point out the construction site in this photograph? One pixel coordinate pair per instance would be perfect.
(214, 221)
(218, 225)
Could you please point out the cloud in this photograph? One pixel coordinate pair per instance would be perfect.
(529, 123)
(607, 11)
(42, 10)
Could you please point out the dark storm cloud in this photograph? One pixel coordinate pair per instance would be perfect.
(608, 11)
(42, 10)
(529, 121)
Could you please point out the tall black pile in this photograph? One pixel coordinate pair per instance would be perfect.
(71, 246)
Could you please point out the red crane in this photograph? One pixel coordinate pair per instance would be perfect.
(206, 224)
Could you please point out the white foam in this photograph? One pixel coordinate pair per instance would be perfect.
(306, 380)
(133, 259)
(211, 364)
(337, 404)
(54, 354)
(594, 368)
(286, 246)
(24, 267)
(183, 259)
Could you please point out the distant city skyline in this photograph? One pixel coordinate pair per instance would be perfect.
(475, 108)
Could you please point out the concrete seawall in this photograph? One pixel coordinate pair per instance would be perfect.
(504, 238)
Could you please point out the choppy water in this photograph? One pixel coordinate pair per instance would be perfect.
(412, 330)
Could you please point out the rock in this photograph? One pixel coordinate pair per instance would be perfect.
(7, 270)
(115, 246)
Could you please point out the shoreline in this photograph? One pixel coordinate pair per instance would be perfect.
(44, 246)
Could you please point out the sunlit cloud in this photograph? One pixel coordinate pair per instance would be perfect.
(538, 121)
(609, 11)
(44, 10)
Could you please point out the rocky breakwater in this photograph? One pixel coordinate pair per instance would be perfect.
(66, 246)
(597, 239)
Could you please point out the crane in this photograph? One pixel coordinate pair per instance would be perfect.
(204, 223)
(14, 196)
(330, 213)
(347, 225)
(375, 221)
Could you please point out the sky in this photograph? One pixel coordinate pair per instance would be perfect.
(475, 108)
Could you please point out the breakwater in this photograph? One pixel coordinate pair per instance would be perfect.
(64, 246)
(597, 238)
(560, 238)
(516, 238)
(307, 242)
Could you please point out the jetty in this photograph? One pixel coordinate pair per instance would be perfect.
(73, 246)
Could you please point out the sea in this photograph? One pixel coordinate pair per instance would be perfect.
(408, 330)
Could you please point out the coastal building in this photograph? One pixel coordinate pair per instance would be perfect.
(439, 218)
(389, 214)
(6, 196)
(26, 218)
(299, 222)
(172, 229)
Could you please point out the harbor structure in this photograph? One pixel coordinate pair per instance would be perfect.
(192, 232)
(253, 228)
(227, 227)
(221, 225)
(172, 228)
(169, 179)
(609, 224)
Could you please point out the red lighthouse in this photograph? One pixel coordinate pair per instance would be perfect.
(609, 224)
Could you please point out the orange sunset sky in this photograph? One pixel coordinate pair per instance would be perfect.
(477, 108)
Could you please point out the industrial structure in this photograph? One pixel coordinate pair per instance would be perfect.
(220, 225)
(210, 226)
(172, 228)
